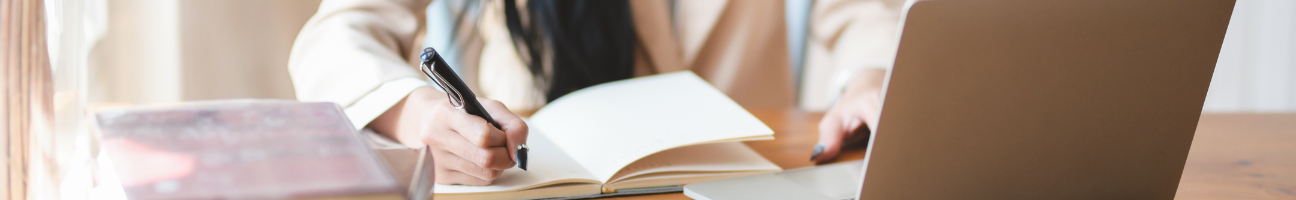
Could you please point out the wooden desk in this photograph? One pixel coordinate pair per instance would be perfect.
(1233, 156)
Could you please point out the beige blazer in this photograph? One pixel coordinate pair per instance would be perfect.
(362, 53)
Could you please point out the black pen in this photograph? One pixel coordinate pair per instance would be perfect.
(460, 96)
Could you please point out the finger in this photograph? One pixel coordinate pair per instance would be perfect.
(477, 131)
(486, 157)
(830, 136)
(450, 161)
(857, 131)
(451, 177)
(499, 159)
(515, 129)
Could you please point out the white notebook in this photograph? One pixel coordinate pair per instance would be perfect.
(647, 134)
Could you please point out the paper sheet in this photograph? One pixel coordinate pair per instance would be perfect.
(609, 126)
(547, 163)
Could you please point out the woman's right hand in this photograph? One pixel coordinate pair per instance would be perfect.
(466, 149)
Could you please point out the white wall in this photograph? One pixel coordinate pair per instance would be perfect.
(137, 60)
(166, 50)
(1257, 64)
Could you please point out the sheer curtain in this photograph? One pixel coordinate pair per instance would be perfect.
(1257, 63)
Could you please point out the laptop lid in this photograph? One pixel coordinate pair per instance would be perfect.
(1044, 99)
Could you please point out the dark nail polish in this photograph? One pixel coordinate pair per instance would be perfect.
(818, 150)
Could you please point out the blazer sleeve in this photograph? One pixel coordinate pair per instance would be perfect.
(359, 54)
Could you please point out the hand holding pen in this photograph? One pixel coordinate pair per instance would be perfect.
(471, 147)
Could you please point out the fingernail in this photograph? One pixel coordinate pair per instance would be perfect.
(522, 156)
(818, 150)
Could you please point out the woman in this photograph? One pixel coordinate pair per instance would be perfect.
(362, 54)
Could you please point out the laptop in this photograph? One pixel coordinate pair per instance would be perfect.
(1026, 99)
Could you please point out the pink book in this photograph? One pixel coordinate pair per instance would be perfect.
(247, 149)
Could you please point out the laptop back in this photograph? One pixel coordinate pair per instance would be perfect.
(1044, 99)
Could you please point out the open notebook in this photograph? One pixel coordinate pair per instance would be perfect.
(642, 135)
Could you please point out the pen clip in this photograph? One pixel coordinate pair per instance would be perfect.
(456, 99)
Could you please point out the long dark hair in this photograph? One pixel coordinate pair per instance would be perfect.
(578, 43)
